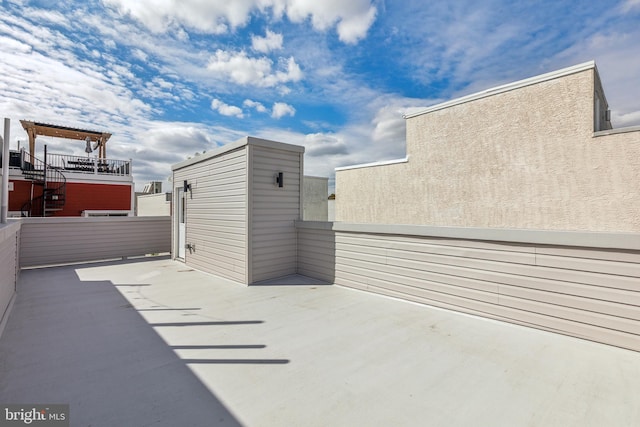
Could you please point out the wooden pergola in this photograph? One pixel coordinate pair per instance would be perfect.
(34, 129)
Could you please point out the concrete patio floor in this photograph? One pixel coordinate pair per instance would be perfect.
(153, 342)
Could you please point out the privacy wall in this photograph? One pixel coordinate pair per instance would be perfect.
(53, 240)
(585, 285)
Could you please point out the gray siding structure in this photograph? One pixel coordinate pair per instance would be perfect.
(215, 213)
(238, 221)
(585, 285)
(317, 250)
(273, 212)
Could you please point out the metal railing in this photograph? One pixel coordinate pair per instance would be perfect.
(53, 184)
(87, 165)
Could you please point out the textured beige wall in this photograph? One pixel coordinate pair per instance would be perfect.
(525, 158)
(315, 203)
(154, 204)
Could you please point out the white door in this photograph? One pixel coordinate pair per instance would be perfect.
(181, 223)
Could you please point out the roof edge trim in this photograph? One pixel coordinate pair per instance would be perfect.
(247, 140)
(589, 239)
(373, 164)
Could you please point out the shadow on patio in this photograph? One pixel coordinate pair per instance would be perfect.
(83, 343)
(150, 342)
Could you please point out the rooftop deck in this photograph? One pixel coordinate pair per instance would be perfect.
(155, 342)
(75, 166)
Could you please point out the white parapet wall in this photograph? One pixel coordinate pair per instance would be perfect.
(48, 241)
(581, 284)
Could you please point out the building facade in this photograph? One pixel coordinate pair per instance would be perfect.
(49, 184)
(535, 154)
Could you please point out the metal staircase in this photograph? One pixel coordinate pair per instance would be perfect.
(53, 182)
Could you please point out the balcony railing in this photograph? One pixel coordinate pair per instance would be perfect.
(84, 165)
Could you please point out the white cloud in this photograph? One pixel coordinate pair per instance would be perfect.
(226, 109)
(625, 119)
(293, 73)
(46, 72)
(270, 42)
(388, 124)
(353, 29)
(159, 88)
(140, 55)
(160, 144)
(319, 144)
(348, 145)
(13, 46)
(259, 107)
(162, 83)
(280, 109)
(206, 17)
(630, 5)
(352, 18)
(46, 79)
(51, 16)
(46, 75)
(242, 69)
(181, 34)
(40, 38)
(617, 55)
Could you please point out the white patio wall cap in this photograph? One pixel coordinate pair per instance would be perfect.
(573, 238)
(507, 87)
(373, 164)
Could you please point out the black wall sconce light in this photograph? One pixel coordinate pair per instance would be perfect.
(280, 179)
(187, 187)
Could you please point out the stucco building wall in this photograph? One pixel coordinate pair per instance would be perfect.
(315, 203)
(521, 158)
(158, 204)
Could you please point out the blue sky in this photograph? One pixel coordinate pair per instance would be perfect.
(174, 77)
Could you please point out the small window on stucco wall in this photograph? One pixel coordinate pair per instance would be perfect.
(601, 120)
